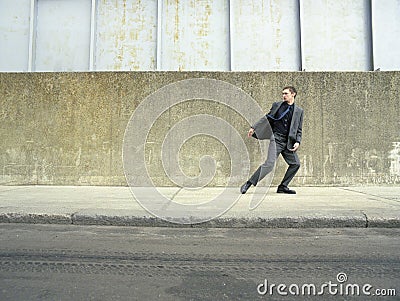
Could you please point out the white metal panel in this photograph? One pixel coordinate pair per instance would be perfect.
(14, 34)
(265, 35)
(63, 35)
(126, 35)
(336, 35)
(195, 35)
(386, 34)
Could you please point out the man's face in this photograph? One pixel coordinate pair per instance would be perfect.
(288, 96)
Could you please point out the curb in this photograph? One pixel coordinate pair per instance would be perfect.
(220, 222)
(33, 218)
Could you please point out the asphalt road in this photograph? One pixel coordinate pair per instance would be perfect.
(50, 262)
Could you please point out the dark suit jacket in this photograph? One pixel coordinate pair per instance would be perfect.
(263, 129)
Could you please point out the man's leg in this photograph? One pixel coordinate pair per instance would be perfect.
(264, 169)
(292, 159)
(274, 148)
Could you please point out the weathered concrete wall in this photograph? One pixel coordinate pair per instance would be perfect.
(68, 128)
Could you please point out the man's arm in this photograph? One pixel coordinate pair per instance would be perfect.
(263, 126)
(300, 128)
(298, 134)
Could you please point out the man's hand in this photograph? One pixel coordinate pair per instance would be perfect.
(295, 147)
(250, 132)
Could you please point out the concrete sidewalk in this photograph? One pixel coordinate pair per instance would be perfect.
(311, 207)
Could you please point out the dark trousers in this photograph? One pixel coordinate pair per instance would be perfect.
(291, 158)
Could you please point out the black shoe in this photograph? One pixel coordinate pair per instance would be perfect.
(245, 187)
(284, 189)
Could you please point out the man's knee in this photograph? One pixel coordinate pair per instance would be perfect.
(295, 165)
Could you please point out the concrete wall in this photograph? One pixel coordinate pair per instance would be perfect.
(68, 128)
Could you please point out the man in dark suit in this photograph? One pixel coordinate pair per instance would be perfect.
(286, 120)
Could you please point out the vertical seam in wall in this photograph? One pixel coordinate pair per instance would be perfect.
(230, 36)
(32, 36)
(159, 35)
(300, 36)
(93, 29)
(371, 36)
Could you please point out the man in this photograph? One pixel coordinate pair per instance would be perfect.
(286, 120)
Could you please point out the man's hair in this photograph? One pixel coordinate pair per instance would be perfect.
(291, 89)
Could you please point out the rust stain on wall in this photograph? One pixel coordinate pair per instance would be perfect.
(177, 29)
(204, 21)
(394, 156)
